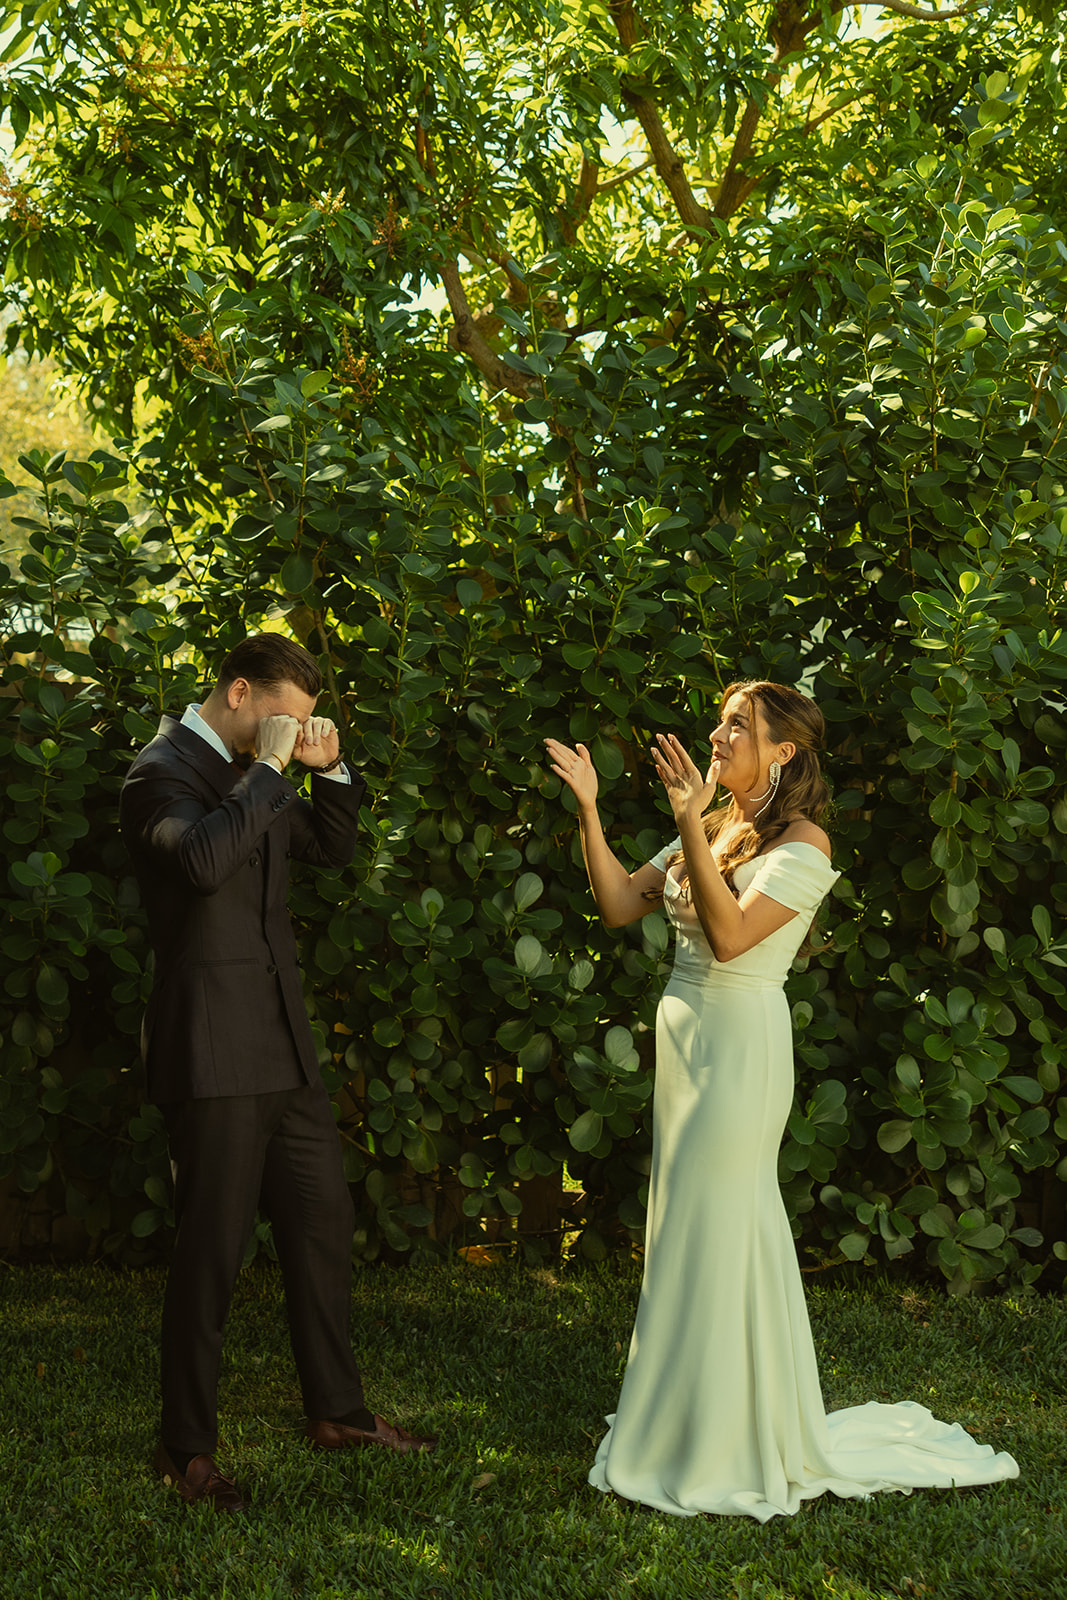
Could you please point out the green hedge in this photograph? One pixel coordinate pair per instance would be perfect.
(824, 443)
(869, 504)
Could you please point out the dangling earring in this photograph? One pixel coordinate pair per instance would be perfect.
(774, 775)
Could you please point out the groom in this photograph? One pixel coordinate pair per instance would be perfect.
(210, 819)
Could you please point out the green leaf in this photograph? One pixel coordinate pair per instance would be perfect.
(926, 702)
(585, 1133)
(421, 1150)
(894, 1135)
(315, 382)
(52, 988)
(1011, 756)
(388, 1032)
(945, 809)
(827, 1102)
(297, 572)
(1024, 1088)
(607, 757)
(528, 954)
(959, 1005)
(432, 902)
(513, 1034)
(536, 1054)
(987, 1238)
(909, 1074)
(471, 1170)
(24, 1029)
(579, 656)
(529, 889)
(938, 1222)
(919, 873)
(619, 1047)
(147, 1222)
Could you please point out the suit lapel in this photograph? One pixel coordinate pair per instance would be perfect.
(198, 754)
(220, 776)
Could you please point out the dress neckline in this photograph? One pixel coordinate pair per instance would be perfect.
(790, 844)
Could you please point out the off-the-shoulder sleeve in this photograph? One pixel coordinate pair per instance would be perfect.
(660, 861)
(796, 875)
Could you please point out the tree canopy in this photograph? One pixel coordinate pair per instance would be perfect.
(324, 160)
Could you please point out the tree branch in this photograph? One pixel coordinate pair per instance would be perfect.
(787, 29)
(903, 8)
(466, 336)
(518, 288)
(667, 162)
(571, 218)
(815, 122)
(732, 190)
(623, 177)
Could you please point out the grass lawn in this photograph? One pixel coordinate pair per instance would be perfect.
(515, 1370)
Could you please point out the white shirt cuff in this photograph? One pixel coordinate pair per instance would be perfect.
(338, 775)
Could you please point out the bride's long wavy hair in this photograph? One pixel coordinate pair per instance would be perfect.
(789, 718)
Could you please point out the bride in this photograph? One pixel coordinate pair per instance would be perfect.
(721, 1409)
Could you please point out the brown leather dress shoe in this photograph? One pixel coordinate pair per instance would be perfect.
(342, 1436)
(201, 1480)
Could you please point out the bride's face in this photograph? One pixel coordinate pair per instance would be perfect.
(736, 745)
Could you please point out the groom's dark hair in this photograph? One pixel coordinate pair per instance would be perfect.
(267, 659)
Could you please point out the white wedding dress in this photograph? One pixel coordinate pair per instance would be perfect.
(721, 1409)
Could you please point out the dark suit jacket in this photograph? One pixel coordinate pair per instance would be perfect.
(211, 849)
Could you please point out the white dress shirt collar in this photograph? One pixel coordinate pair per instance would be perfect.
(192, 719)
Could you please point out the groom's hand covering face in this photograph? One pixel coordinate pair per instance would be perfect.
(317, 744)
(277, 736)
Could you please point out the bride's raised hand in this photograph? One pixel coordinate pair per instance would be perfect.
(687, 790)
(576, 769)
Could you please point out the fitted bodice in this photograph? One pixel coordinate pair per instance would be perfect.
(796, 875)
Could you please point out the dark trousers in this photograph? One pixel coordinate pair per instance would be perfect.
(279, 1153)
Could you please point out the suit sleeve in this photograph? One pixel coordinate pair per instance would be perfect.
(164, 818)
(324, 832)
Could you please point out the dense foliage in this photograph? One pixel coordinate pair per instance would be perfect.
(811, 429)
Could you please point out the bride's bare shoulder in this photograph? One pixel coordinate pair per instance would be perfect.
(801, 831)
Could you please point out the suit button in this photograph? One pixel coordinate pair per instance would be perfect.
(272, 970)
(254, 861)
